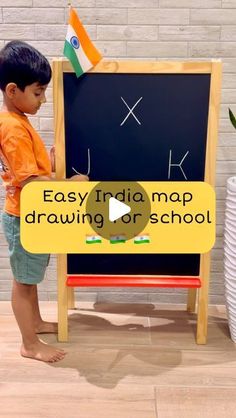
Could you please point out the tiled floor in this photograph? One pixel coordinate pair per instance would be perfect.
(123, 361)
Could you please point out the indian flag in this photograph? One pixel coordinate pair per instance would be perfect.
(142, 239)
(117, 239)
(78, 47)
(93, 239)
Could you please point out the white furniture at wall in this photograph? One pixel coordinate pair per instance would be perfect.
(230, 255)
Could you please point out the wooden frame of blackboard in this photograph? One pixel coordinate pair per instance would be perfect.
(214, 68)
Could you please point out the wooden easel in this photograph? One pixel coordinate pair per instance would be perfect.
(66, 293)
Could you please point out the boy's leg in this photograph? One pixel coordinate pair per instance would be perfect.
(41, 327)
(22, 305)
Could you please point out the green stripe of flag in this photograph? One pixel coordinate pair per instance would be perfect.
(143, 241)
(69, 52)
(116, 241)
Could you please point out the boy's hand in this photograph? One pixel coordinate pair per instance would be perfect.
(53, 158)
(79, 177)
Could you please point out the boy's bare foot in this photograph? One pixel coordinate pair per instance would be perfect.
(46, 328)
(42, 352)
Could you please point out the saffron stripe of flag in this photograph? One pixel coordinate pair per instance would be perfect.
(78, 47)
(142, 239)
(117, 239)
(93, 239)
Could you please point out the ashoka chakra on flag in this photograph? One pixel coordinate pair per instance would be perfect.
(74, 42)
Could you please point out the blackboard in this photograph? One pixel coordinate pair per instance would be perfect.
(171, 116)
(170, 112)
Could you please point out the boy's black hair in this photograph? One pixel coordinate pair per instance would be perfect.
(22, 64)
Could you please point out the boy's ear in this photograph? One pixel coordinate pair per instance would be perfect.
(10, 90)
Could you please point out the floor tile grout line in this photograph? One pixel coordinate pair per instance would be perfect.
(150, 332)
(155, 399)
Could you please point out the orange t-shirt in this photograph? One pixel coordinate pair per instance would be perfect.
(22, 155)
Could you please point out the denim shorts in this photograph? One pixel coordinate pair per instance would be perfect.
(27, 268)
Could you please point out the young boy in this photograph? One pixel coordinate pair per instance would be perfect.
(24, 77)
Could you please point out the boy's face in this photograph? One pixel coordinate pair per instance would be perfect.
(29, 100)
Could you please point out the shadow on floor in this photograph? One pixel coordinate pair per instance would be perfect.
(115, 342)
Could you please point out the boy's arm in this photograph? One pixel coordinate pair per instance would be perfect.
(17, 146)
(52, 178)
(52, 158)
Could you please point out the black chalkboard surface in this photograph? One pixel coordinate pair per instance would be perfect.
(149, 127)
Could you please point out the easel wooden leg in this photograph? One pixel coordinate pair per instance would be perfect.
(202, 316)
(62, 298)
(202, 311)
(62, 315)
(191, 302)
(71, 298)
